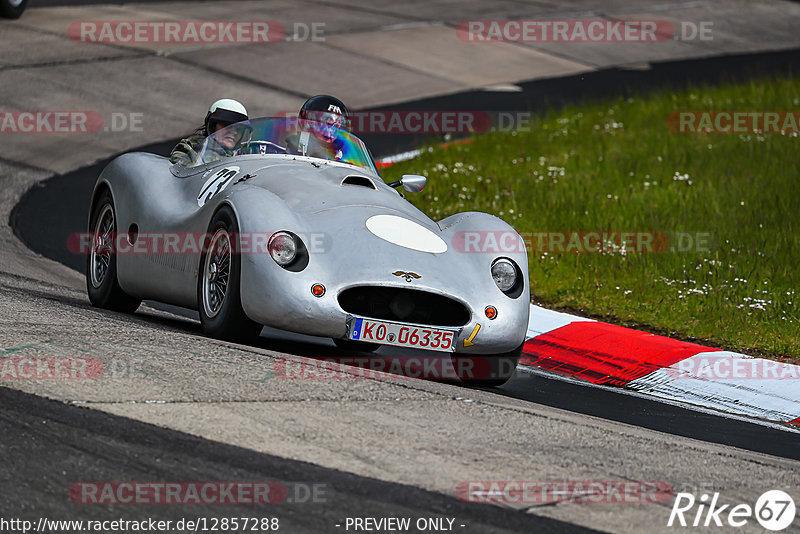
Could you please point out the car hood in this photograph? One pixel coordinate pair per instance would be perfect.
(321, 193)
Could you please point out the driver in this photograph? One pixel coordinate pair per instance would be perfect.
(321, 118)
(222, 113)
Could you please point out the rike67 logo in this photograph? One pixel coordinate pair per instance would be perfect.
(774, 510)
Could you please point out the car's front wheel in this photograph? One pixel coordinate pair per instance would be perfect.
(219, 293)
(12, 9)
(487, 370)
(101, 262)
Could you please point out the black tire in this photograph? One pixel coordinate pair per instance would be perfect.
(487, 370)
(356, 346)
(12, 9)
(102, 284)
(221, 312)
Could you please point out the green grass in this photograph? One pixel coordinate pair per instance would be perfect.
(616, 166)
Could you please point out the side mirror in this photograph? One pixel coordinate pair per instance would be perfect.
(412, 183)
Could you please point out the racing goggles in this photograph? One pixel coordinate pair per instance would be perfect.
(333, 120)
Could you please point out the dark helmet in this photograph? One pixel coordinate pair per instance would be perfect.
(225, 111)
(324, 104)
(324, 115)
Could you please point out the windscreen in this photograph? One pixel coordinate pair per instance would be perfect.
(297, 137)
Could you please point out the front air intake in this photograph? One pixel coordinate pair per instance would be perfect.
(404, 305)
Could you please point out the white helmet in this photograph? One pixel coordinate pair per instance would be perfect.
(225, 110)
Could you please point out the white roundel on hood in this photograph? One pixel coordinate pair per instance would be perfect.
(405, 233)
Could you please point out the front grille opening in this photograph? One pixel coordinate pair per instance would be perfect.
(404, 305)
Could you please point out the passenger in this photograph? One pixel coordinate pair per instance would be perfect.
(222, 113)
(321, 119)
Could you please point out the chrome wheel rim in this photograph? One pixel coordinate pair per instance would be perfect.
(102, 246)
(216, 273)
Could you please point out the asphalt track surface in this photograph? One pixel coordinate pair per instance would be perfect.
(47, 214)
(48, 444)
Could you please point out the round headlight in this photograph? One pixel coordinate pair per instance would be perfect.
(282, 247)
(504, 274)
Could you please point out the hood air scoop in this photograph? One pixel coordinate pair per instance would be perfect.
(360, 181)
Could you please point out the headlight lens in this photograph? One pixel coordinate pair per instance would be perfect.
(504, 274)
(283, 248)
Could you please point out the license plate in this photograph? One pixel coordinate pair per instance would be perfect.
(402, 335)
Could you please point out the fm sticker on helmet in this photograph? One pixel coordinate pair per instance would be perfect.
(216, 183)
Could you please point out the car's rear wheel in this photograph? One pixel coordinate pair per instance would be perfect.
(12, 9)
(101, 262)
(487, 370)
(356, 346)
(219, 294)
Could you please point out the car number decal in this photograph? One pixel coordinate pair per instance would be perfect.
(216, 183)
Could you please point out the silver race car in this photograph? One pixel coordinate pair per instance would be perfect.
(264, 225)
